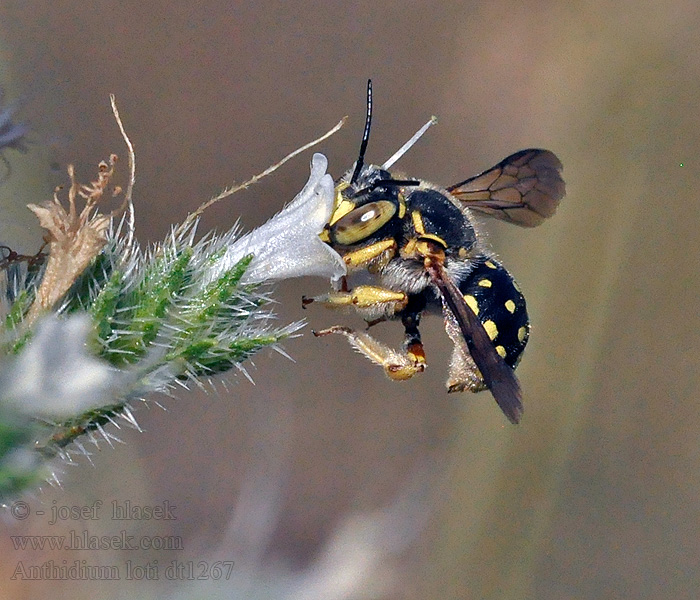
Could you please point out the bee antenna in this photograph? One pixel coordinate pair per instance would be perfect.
(365, 136)
(406, 147)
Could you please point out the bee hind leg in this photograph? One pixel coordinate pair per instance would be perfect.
(464, 375)
(398, 366)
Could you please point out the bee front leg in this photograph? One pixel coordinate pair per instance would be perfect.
(397, 365)
(363, 296)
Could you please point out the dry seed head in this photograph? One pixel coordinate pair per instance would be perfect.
(74, 239)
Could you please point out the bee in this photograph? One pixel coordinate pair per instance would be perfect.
(418, 245)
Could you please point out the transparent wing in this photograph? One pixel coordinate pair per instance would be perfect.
(498, 376)
(524, 189)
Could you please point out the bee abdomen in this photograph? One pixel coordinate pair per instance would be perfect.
(493, 295)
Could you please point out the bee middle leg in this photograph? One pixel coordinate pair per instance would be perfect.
(397, 365)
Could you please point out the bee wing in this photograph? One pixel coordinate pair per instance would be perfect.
(524, 189)
(498, 376)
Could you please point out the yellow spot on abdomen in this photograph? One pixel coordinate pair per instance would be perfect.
(510, 306)
(501, 351)
(491, 329)
(490, 264)
(522, 332)
(472, 303)
(485, 283)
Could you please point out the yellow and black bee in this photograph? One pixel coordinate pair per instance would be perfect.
(418, 243)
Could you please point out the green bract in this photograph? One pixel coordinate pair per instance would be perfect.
(136, 322)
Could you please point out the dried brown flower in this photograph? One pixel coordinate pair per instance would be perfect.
(73, 238)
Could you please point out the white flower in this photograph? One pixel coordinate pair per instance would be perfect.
(56, 374)
(288, 244)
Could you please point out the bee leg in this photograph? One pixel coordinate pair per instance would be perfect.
(363, 296)
(397, 366)
(412, 342)
(371, 323)
(463, 375)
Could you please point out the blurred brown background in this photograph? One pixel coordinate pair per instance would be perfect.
(597, 493)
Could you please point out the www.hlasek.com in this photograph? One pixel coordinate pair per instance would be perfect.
(83, 540)
(80, 570)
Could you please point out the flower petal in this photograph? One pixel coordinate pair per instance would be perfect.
(56, 375)
(288, 244)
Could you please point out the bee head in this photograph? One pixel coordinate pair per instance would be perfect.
(367, 209)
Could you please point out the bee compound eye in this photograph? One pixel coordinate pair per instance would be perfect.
(362, 222)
